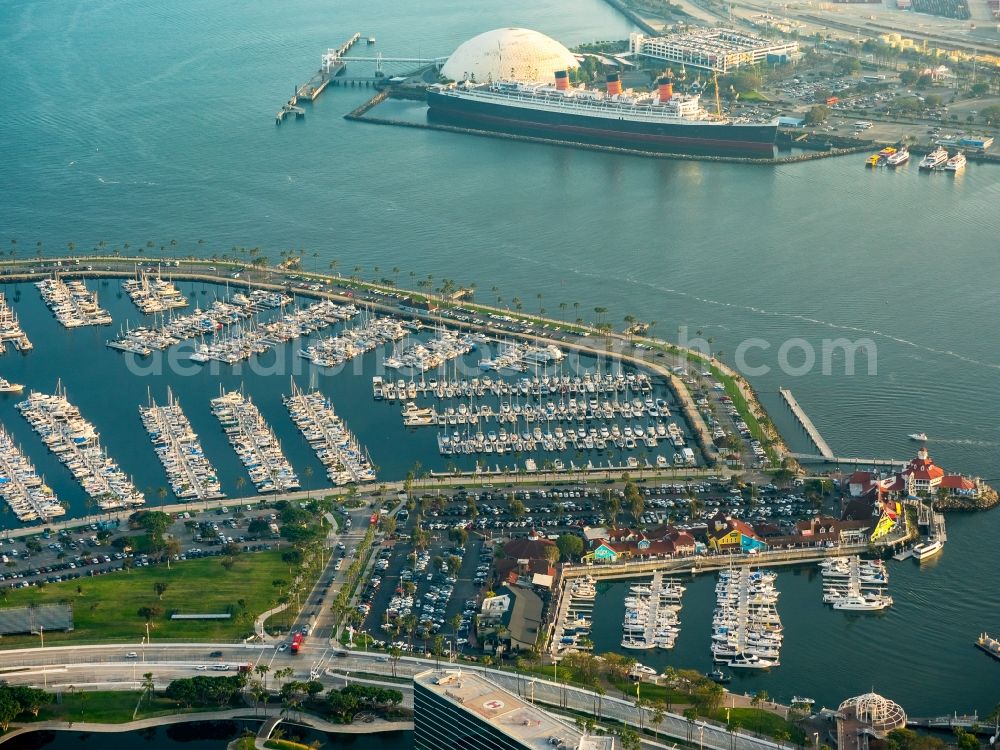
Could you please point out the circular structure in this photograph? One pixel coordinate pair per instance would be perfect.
(509, 54)
(877, 714)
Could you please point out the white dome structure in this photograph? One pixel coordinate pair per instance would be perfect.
(873, 712)
(518, 54)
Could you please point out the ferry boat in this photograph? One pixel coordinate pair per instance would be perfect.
(926, 550)
(657, 121)
(934, 159)
(955, 163)
(901, 156)
(881, 158)
(988, 644)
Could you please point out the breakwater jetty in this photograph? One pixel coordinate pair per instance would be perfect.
(807, 424)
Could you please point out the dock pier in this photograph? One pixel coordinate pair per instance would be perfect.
(807, 424)
(331, 65)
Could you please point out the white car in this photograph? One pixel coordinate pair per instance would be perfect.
(131, 655)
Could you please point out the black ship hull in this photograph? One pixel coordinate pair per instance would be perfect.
(666, 137)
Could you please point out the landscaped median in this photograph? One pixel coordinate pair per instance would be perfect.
(117, 606)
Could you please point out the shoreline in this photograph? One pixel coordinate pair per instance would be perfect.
(376, 726)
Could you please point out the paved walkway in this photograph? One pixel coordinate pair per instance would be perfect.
(258, 624)
(377, 725)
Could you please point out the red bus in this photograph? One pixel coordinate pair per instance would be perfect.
(297, 642)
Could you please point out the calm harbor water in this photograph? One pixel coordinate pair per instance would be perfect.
(142, 122)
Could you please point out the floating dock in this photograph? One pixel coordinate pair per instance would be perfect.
(807, 424)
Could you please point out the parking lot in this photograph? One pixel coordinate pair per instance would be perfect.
(90, 550)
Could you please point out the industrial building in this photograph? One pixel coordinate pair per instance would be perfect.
(718, 50)
(465, 711)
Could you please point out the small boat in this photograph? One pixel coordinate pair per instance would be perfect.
(990, 645)
(926, 550)
(371, 40)
(920, 437)
(7, 387)
(719, 677)
(798, 700)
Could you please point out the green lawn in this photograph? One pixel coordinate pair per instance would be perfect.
(107, 707)
(106, 607)
(762, 722)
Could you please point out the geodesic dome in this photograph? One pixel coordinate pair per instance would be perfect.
(513, 54)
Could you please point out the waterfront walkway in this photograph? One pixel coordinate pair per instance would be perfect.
(274, 714)
(708, 563)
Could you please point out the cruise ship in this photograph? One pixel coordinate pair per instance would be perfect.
(657, 121)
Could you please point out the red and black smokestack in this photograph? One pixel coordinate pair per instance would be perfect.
(562, 80)
(614, 84)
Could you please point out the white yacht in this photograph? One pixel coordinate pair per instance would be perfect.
(7, 387)
(928, 549)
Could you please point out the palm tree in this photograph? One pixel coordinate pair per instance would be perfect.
(241, 482)
(262, 670)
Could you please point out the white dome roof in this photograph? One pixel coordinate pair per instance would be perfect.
(519, 54)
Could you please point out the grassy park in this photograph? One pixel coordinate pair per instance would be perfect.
(107, 608)
(107, 707)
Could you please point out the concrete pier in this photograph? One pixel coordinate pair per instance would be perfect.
(807, 424)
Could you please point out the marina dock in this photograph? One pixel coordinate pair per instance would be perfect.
(331, 65)
(176, 444)
(10, 329)
(824, 450)
(77, 445)
(153, 294)
(25, 492)
(72, 303)
(255, 443)
(336, 446)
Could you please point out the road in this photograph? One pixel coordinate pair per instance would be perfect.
(109, 667)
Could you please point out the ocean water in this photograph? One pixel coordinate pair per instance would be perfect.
(147, 122)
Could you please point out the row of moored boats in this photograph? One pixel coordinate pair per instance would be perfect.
(199, 323)
(855, 585)
(589, 383)
(153, 294)
(76, 443)
(336, 446)
(746, 628)
(255, 443)
(243, 341)
(938, 160)
(372, 332)
(189, 471)
(72, 303)
(652, 617)
(10, 329)
(22, 488)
